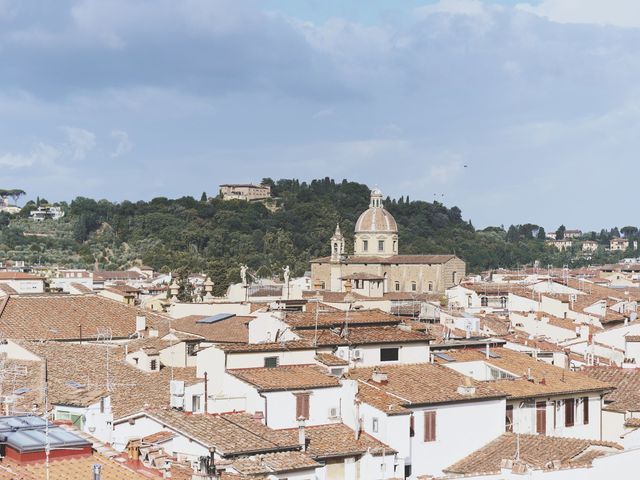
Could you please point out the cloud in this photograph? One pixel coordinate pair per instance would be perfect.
(42, 155)
(619, 13)
(124, 144)
(446, 172)
(453, 7)
(79, 142)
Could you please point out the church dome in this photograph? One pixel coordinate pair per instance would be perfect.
(376, 219)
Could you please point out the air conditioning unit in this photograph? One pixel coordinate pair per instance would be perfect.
(176, 387)
(356, 354)
(333, 412)
(341, 353)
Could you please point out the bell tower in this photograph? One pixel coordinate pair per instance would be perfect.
(337, 245)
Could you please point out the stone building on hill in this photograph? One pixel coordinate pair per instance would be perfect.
(376, 267)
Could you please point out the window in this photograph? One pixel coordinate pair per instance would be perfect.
(154, 364)
(191, 348)
(430, 286)
(397, 286)
(414, 287)
(484, 302)
(302, 406)
(541, 418)
(454, 277)
(335, 248)
(412, 426)
(195, 403)
(381, 245)
(395, 246)
(585, 410)
(271, 362)
(503, 302)
(569, 412)
(102, 404)
(374, 425)
(389, 354)
(508, 420)
(365, 245)
(430, 426)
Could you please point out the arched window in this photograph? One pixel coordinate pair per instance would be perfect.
(454, 278)
(397, 286)
(430, 286)
(503, 302)
(484, 301)
(335, 248)
(414, 287)
(365, 245)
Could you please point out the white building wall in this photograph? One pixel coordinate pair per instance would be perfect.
(461, 428)
(281, 407)
(266, 326)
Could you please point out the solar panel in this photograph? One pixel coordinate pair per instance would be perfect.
(216, 318)
(444, 356)
(494, 355)
(22, 390)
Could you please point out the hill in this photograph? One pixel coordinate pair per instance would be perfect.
(215, 236)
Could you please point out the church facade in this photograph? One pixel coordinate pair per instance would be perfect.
(376, 267)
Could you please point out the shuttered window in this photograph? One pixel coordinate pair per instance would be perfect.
(508, 421)
(569, 412)
(302, 406)
(585, 410)
(541, 418)
(430, 426)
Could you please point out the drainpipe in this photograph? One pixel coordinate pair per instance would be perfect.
(206, 410)
(266, 416)
(601, 404)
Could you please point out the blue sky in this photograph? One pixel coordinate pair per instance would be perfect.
(515, 111)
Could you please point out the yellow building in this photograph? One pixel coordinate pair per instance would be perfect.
(376, 267)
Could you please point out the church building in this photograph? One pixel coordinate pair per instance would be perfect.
(376, 267)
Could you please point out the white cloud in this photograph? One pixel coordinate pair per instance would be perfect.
(453, 7)
(124, 144)
(41, 155)
(445, 172)
(620, 13)
(79, 142)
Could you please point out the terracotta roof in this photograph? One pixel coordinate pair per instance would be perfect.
(78, 468)
(286, 377)
(277, 462)
(230, 330)
(158, 437)
(18, 276)
(364, 336)
(230, 434)
(376, 316)
(334, 297)
(265, 347)
(8, 289)
(81, 288)
(418, 384)
(394, 259)
(330, 360)
(59, 317)
(546, 379)
(536, 451)
(84, 365)
(632, 338)
(632, 422)
(337, 440)
(626, 396)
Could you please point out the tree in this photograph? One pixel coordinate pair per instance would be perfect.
(542, 235)
(629, 231)
(203, 198)
(560, 232)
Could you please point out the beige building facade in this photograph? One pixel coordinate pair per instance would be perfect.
(376, 267)
(246, 192)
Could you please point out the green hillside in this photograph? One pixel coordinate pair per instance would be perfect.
(215, 236)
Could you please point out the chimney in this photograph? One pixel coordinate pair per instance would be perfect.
(379, 376)
(347, 286)
(467, 387)
(96, 471)
(141, 323)
(302, 440)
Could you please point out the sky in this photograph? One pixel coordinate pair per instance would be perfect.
(515, 111)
